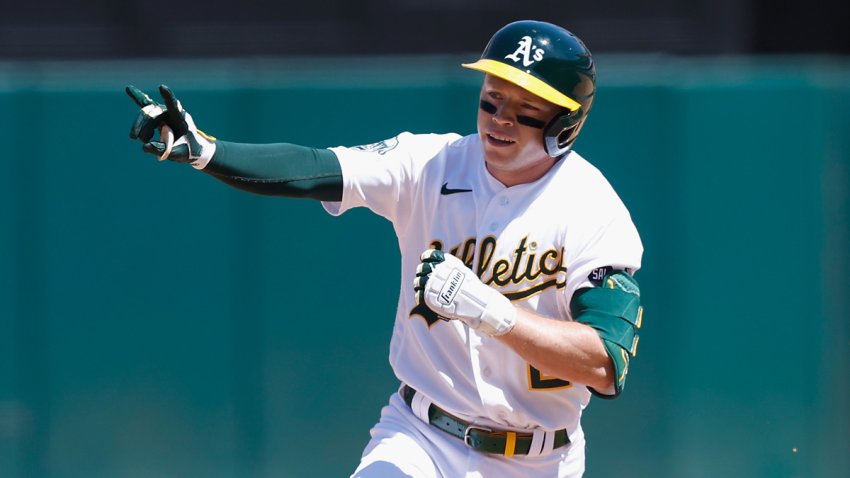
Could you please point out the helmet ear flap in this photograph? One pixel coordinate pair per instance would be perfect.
(562, 131)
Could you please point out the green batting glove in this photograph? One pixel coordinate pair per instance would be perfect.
(179, 139)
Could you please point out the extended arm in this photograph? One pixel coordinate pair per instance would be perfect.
(280, 169)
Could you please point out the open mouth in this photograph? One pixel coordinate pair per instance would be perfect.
(498, 139)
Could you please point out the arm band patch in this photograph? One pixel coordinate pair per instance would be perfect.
(614, 311)
(280, 169)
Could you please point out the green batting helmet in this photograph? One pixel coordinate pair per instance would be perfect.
(550, 62)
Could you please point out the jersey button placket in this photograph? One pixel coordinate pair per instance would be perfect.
(489, 222)
(502, 202)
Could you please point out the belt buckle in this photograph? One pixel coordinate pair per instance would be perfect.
(466, 436)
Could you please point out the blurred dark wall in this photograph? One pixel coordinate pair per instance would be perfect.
(215, 28)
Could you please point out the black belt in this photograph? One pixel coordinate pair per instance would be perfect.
(505, 443)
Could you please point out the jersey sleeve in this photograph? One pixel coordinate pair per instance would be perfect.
(384, 176)
(609, 239)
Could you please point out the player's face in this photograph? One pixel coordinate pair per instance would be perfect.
(510, 122)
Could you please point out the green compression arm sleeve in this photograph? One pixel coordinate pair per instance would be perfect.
(280, 169)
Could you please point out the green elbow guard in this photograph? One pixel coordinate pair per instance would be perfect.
(614, 311)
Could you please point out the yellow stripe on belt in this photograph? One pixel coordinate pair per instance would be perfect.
(510, 444)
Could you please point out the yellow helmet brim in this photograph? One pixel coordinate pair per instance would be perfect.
(524, 80)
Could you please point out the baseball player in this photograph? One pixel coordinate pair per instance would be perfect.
(517, 301)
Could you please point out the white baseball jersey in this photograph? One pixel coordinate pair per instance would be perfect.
(536, 243)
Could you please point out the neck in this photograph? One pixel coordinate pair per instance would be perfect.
(525, 175)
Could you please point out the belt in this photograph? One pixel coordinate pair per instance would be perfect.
(507, 443)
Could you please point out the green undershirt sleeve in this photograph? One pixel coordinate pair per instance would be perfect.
(280, 169)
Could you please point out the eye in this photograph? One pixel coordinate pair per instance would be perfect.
(494, 95)
(531, 107)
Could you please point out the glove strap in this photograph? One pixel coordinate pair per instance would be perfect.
(499, 317)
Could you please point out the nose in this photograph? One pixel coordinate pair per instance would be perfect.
(504, 115)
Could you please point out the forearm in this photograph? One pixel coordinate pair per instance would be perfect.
(278, 170)
(567, 350)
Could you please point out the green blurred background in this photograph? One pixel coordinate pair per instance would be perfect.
(154, 322)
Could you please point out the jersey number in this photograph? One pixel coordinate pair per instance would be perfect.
(538, 381)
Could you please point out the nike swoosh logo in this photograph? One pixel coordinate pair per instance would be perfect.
(445, 191)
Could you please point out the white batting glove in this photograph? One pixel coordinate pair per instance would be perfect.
(453, 291)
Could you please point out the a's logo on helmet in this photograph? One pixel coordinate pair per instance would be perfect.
(529, 52)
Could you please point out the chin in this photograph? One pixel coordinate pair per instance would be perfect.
(498, 154)
(497, 158)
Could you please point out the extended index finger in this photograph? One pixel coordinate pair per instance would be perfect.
(140, 97)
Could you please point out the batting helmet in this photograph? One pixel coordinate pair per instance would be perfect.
(550, 62)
